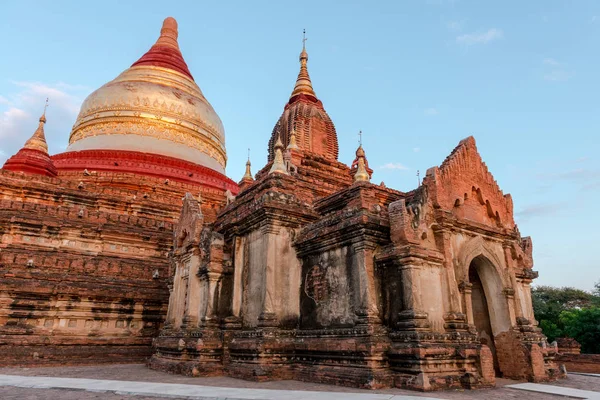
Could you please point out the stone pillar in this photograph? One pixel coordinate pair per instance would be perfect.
(267, 316)
(509, 293)
(517, 304)
(213, 280)
(466, 288)
(367, 307)
(238, 270)
(194, 291)
(170, 319)
(179, 295)
(412, 316)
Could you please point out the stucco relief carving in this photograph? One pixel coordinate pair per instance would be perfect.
(128, 125)
(189, 228)
(315, 284)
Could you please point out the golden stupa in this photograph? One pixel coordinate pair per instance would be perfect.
(155, 107)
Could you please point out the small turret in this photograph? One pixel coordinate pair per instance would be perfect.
(33, 157)
(278, 164)
(247, 179)
(361, 174)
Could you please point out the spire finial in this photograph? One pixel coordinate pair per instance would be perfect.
(38, 140)
(360, 138)
(304, 39)
(303, 83)
(248, 175)
(43, 117)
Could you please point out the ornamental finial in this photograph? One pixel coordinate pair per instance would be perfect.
(38, 140)
(303, 83)
(44, 114)
(361, 174)
(292, 145)
(278, 164)
(304, 39)
(248, 174)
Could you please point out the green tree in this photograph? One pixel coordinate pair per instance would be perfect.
(549, 302)
(584, 326)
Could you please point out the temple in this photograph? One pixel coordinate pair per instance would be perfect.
(134, 245)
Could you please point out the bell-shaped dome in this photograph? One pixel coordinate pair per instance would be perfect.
(154, 107)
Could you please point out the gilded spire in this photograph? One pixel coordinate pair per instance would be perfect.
(278, 164)
(248, 174)
(303, 83)
(38, 140)
(361, 174)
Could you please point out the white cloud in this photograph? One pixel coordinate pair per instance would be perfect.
(431, 111)
(557, 75)
(551, 61)
(455, 25)
(538, 210)
(555, 70)
(21, 108)
(480, 38)
(416, 149)
(397, 166)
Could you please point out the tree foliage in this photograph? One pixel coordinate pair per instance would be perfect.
(569, 312)
(584, 326)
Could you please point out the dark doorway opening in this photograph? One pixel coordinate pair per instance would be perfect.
(481, 309)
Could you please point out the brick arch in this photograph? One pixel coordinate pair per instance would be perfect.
(493, 288)
(475, 247)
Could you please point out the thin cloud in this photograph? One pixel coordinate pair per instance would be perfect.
(394, 166)
(551, 61)
(21, 108)
(416, 149)
(431, 111)
(455, 26)
(595, 19)
(480, 38)
(555, 71)
(538, 210)
(557, 76)
(584, 178)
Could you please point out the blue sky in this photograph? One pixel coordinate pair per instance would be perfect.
(415, 76)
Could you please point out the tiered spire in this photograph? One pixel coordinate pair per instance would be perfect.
(248, 174)
(303, 83)
(361, 165)
(361, 174)
(165, 52)
(278, 164)
(247, 179)
(38, 140)
(33, 157)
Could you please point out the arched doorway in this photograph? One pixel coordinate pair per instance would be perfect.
(490, 314)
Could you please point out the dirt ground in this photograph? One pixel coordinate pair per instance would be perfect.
(138, 372)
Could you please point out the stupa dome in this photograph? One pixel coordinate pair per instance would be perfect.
(156, 107)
